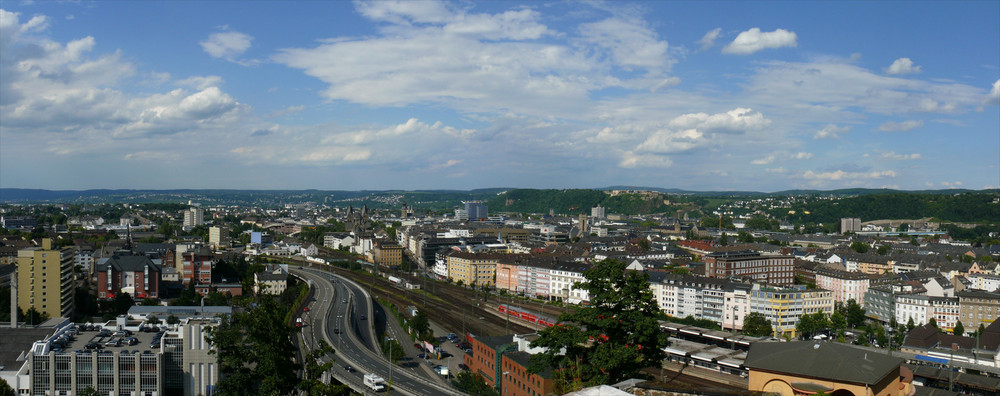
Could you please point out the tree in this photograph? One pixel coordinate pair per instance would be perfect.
(933, 322)
(880, 337)
(89, 391)
(5, 389)
(860, 247)
(724, 239)
(173, 320)
(959, 329)
(883, 250)
(420, 323)
(757, 325)
(855, 314)
(622, 323)
(744, 237)
(838, 321)
(255, 351)
(805, 326)
(910, 325)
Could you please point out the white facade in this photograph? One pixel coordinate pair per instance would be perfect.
(561, 286)
(913, 306)
(984, 282)
(194, 217)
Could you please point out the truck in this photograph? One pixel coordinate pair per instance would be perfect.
(374, 382)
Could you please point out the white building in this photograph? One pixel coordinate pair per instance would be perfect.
(194, 217)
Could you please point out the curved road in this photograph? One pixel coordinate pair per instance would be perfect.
(354, 344)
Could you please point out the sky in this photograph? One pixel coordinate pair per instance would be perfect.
(717, 95)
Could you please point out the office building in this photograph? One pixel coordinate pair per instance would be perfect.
(476, 210)
(45, 280)
(750, 265)
(503, 362)
(784, 306)
(597, 212)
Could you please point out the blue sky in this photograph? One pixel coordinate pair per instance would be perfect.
(718, 95)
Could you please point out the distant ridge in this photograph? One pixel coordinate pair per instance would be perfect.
(43, 195)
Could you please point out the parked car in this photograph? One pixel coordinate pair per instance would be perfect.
(131, 340)
(92, 345)
(422, 356)
(349, 369)
(463, 366)
(115, 342)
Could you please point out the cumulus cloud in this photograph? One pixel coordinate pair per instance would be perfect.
(61, 88)
(708, 40)
(994, 96)
(754, 40)
(831, 131)
(844, 175)
(227, 45)
(734, 121)
(483, 62)
(902, 66)
(889, 155)
(201, 82)
(904, 126)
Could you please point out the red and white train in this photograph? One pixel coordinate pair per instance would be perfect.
(527, 315)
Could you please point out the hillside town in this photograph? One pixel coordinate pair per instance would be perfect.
(157, 276)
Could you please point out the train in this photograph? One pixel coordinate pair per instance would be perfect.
(527, 315)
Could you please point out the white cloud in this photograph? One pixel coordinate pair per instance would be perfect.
(928, 105)
(201, 82)
(734, 121)
(904, 126)
(902, 66)
(768, 159)
(629, 42)
(708, 40)
(900, 157)
(831, 131)
(956, 184)
(633, 160)
(226, 45)
(994, 96)
(754, 40)
(843, 175)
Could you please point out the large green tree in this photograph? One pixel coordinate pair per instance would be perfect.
(255, 351)
(855, 314)
(757, 325)
(959, 329)
(610, 340)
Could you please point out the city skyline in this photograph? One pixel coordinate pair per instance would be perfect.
(759, 96)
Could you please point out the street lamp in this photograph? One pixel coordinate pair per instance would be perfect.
(502, 384)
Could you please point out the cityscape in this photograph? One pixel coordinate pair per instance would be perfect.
(643, 291)
(442, 197)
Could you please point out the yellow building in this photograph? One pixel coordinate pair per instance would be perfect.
(387, 254)
(475, 268)
(45, 280)
(806, 368)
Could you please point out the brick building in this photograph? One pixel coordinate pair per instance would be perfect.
(507, 358)
(133, 274)
(775, 270)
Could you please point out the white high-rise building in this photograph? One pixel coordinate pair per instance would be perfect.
(194, 217)
(597, 212)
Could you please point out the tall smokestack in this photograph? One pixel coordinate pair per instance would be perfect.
(13, 299)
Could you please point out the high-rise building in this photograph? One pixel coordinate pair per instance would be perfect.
(476, 210)
(194, 217)
(45, 280)
(597, 212)
(218, 237)
(850, 224)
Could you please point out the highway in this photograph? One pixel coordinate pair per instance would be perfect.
(355, 342)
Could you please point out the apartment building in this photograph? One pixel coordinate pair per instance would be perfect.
(503, 363)
(133, 274)
(978, 307)
(784, 306)
(844, 285)
(218, 237)
(45, 279)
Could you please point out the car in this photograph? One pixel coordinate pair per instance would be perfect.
(131, 340)
(463, 366)
(468, 350)
(422, 356)
(363, 317)
(418, 346)
(305, 309)
(336, 331)
(92, 345)
(345, 301)
(349, 369)
(115, 342)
